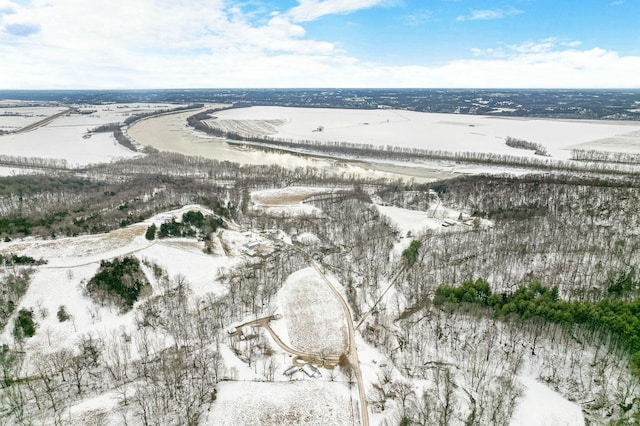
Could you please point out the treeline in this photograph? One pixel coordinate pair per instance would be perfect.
(124, 140)
(104, 197)
(605, 156)
(193, 223)
(137, 117)
(89, 207)
(106, 128)
(35, 162)
(621, 318)
(13, 285)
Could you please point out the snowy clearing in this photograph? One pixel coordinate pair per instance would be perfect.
(435, 218)
(73, 261)
(292, 403)
(314, 318)
(541, 406)
(15, 118)
(287, 201)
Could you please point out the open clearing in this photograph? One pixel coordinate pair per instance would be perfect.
(284, 403)
(446, 132)
(312, 314)
(541, 406)
(287, 201)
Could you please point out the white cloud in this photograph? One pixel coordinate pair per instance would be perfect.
(104, 44)
(594, 68)
(418, 17)
(534, 47)
(488, 14)
(309, 10)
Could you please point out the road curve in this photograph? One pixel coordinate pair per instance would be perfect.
(352, 352)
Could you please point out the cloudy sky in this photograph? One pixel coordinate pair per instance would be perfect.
(118, 44)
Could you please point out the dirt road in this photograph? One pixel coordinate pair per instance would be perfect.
(352, 352)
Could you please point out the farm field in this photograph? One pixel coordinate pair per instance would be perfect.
(66, 137)
(14, 117)
(312, 314)
(430, 131)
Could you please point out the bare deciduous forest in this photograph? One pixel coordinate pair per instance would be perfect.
(451, 361)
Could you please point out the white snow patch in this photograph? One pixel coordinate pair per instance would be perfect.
(541, 406)
(307, 238)
(278, 403)
(287, 201)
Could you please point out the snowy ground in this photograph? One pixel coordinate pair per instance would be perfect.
(446, 132)
(72, 262)
(285, 403)
(14, 118)
(437, 217)
(287, 201)
(312, 314)
(541, 406)
(63, 137)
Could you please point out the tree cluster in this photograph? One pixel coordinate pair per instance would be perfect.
(538, 148)
(120, 281)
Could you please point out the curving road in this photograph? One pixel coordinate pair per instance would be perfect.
(315, 358)
(352, 352)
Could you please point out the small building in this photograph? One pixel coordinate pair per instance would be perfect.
(311, 370)
(291, 371)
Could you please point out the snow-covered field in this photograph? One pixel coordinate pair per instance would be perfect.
(446, 132)
(287, 201)
(284, 403)
(63, 138)
(14, 118)
(312, 314)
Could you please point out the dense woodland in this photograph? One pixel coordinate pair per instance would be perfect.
(464, 314)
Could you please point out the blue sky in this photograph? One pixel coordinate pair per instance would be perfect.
(49, 44)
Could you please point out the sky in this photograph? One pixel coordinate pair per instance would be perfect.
(154, 44)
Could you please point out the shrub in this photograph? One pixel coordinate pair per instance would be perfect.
(151, 232)
(62, 314)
